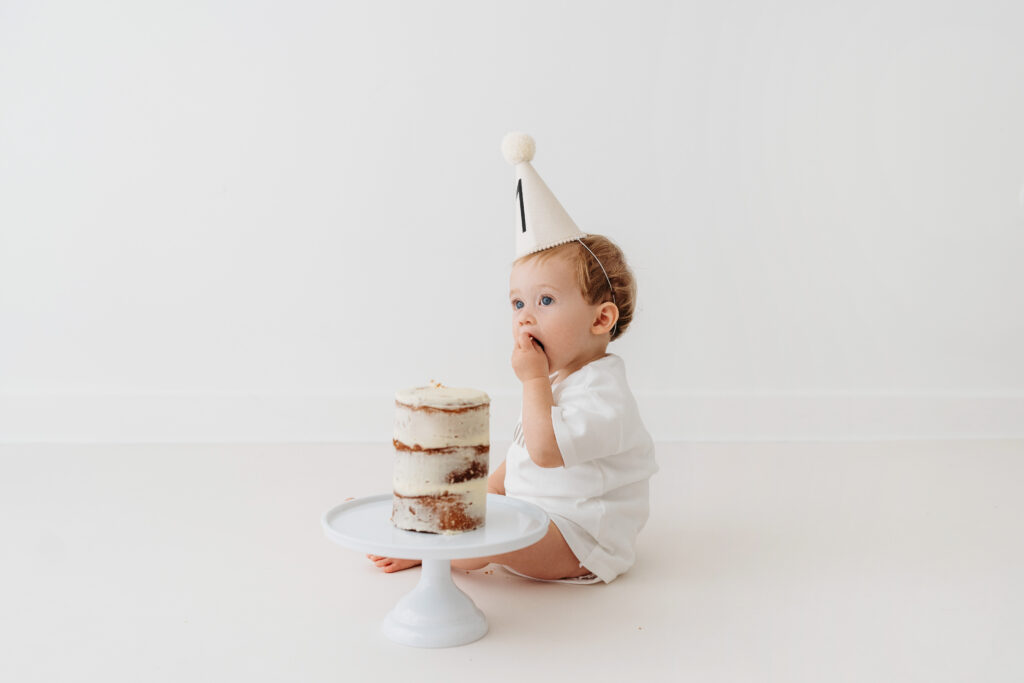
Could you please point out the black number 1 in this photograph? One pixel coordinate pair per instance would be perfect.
(522, 210)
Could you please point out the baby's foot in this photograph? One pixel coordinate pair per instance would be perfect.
(392, 564)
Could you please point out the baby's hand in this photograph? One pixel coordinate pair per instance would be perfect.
(528, 359)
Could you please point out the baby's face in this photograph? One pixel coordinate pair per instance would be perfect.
(548, 305)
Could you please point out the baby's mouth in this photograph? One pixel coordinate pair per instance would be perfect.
(539, 343)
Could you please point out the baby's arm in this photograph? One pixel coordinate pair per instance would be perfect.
(538, 432)
(531, 367)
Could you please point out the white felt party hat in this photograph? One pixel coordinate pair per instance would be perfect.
(541, 222)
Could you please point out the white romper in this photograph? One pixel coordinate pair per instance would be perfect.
(599, 501)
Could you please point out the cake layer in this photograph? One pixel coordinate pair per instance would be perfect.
(424, 472)
(450, 513)
(429, 427)
(439, 396)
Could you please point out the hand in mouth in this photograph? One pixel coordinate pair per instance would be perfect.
(538, 342)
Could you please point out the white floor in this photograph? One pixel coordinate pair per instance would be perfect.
(761, 562)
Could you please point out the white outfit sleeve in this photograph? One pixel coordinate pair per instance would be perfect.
(588, 420)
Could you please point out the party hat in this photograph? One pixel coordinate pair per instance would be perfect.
(541, 222)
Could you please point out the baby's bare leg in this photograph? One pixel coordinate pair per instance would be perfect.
(548, 558)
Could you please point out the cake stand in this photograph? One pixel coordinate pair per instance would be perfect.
(435, 613)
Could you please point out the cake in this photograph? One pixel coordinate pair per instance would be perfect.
(442, 448)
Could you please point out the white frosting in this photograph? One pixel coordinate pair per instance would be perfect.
(472, 487)
(439, 429)
(419, 474)
(442, 397)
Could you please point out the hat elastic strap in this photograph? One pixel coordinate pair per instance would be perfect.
(608, 279)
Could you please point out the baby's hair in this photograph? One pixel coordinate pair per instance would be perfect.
(591, 278)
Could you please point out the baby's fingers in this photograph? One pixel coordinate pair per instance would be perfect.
(526, 340)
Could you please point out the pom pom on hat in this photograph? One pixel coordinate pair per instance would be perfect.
(517, 148)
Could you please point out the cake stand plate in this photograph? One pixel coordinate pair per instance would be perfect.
(436, 613)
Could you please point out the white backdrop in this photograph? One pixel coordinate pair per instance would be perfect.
(236, 220)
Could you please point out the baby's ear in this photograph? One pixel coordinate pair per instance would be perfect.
(607, 316)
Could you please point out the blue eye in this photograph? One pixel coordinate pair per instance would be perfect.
(517, 304)
(546, 300)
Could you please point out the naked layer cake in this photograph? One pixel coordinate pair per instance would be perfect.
(442, 449)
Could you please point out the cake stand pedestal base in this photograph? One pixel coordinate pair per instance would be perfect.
(435, 613)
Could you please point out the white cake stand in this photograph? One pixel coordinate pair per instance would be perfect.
(436, 613)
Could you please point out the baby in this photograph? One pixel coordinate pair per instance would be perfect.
(580, 450)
